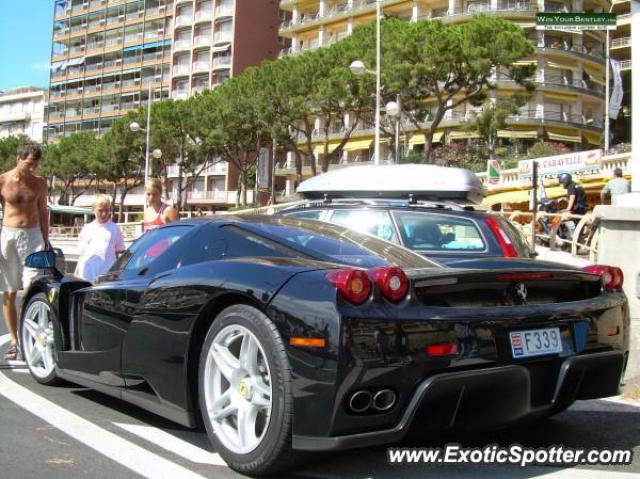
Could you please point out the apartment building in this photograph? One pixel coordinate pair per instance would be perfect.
(22, 112)
(108, 56)
(568, 105)
(620, 49)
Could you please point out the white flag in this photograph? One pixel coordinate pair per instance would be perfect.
(615, 101)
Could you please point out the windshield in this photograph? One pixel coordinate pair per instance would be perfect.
(438, 232)
(330, 242)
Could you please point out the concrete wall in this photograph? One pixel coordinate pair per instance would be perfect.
(618, 246)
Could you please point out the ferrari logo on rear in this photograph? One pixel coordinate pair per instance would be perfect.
(520, 293)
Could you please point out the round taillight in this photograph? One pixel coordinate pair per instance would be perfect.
(392, 282)
(353, 284)
(612, 276)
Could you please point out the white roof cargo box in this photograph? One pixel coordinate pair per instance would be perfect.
(420, 182)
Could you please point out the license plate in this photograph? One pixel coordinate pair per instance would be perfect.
(535, 342)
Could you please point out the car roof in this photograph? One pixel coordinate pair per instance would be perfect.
(432, 205)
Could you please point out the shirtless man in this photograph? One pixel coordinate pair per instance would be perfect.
(25, 230)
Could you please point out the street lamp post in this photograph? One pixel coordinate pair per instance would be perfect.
(156, 153)
(358, 68)
(393, 109)
(376, 149)
(135, 127)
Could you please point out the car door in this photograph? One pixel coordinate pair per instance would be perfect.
(148, 346)
(103, 312)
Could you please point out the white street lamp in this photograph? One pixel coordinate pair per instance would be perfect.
(393, 109)
(157, 153)
(357, 67)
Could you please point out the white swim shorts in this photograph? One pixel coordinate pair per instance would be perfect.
(15, 245)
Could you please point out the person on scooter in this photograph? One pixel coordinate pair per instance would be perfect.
(576, 196)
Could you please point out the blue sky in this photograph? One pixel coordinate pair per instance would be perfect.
(25, 42)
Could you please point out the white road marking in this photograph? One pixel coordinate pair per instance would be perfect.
(174, 444)
(124, 452)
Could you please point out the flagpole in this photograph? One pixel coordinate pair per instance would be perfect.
(606, 97)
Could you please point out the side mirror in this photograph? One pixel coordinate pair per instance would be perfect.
(41, 260)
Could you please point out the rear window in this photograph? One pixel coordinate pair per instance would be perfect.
(329, 242)
(517, 237)
(436, 232)
(307, 215)
(373, 222)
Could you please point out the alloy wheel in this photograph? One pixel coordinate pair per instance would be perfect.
(238, 389)
(38, 343)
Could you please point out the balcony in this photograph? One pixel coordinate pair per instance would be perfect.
(18, 116)
(199, 89)
(224, 11)
(201, 66)
(218, 168)
(181, 45)
(204, 16)
(181, 70)
(221, 62)
(219, 196)
(222, 37)
(180, 94)
(202, 41)
(621, 42)
(559, 81)
(625, 65)
(556, 45)
(183, 20)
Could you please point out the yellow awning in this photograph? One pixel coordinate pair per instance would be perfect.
(358, 145)
(573, 137)
(560, 96)
(521, 63)
(592, 71)
(319, 149)
(593, 138)
(461, 135)
(522, 196)
(418, 139)
(517, 134)
(563, 66)
(598, 81)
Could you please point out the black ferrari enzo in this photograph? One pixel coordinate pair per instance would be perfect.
(285, 335)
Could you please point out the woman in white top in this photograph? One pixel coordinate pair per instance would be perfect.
(99, 242)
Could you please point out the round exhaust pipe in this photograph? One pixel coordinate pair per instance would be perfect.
(360, 401)
(384, 400)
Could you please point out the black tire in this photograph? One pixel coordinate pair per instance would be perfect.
(26, 345)
(274, 453)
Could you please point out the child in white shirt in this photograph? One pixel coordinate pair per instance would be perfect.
(99, 242)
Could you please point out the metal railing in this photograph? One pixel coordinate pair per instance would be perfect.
(620, 42)
(583, 241)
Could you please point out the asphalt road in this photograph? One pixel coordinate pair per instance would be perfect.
(71, 432)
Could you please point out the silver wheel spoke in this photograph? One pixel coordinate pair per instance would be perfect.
(249, 354)
(226, 362)
(262, 394)
(31, 327)
(47, 359)
(36, 355)
(247, 425)
(223, 406)
(43, 315)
